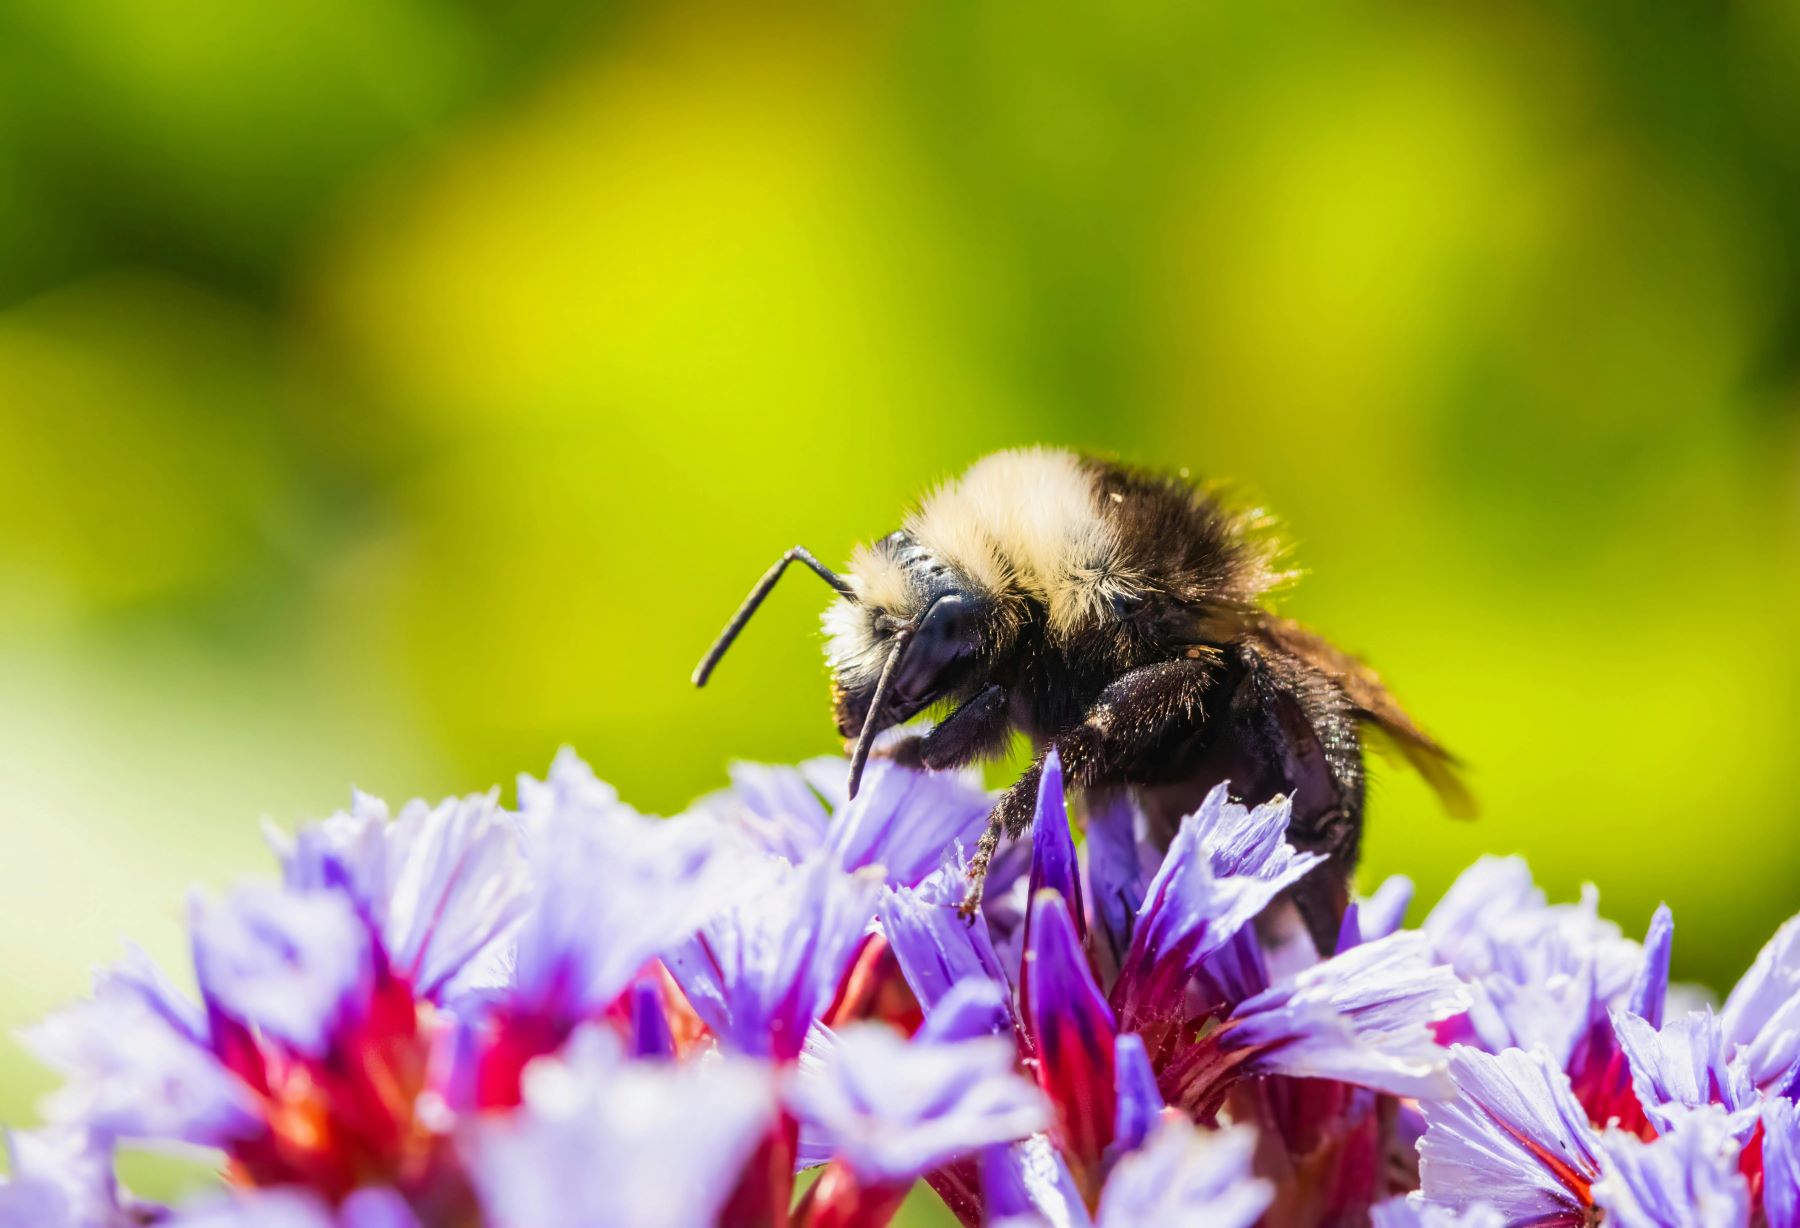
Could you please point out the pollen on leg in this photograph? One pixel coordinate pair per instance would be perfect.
(978, 868)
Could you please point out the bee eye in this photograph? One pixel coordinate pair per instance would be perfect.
(937, 652)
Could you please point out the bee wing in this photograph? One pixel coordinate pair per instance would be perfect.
(1379, 712)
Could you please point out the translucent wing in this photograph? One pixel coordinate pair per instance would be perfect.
(1377, 711)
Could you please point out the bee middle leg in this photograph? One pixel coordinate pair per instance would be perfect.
(1134, 711)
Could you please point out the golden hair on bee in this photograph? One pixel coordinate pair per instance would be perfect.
(1048, 534)
(1029, 523)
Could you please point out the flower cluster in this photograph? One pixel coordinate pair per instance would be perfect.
(568, 1014)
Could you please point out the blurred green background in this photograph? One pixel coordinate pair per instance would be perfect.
(394, 390)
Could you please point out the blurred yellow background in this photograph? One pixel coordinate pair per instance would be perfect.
(394, 390)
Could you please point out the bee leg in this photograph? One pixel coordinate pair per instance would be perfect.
(1131, 713)
(976, 730)
(1010, 816)
(907, 752)
(1295, 736)
(1321, 899)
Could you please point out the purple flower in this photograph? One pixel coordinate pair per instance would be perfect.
(1781, 1163)
(1550, 1006)
(570, 789)
(1552, 985)
(463, 1015)
(1495, 922)
(1182, 1176)
(1545, 976)
(318, 1059)
(650, 1034)
(614, 890)
(1121, 861)
(763, 971)
(296, 1208)
(1053, 862)
(1762, 1013)
(901, 820)
(599, 1140)
(1362, 1017)
(1462, 926)
(1139, 1101)
(1027, 1185)
(137, 1062)
(1650, 990)
(1683, 1067)
(905, 822)
(1597, 1066)
(1514, 1137)
(1408, 1213)
(1005, 904)
(778, 808)
(893, 1109)
(972, 1009)
(1688, 1178)
(935, 947)
(437, 885)
(1377, 916)
(1225, 865)
(294, 965)
(307, 1066)
(1072, 1030)
(60, 1179)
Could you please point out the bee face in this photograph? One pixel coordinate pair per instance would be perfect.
(914, 630)
(932, 653)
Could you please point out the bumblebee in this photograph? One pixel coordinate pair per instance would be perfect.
(1120, 616)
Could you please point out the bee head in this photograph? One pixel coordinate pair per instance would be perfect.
(906, 631)
(912, 633)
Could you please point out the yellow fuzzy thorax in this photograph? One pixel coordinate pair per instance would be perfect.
(1022, 524)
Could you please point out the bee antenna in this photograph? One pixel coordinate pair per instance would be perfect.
(798, 554)
(859, 758)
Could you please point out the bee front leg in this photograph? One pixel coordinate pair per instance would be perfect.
(976, 730)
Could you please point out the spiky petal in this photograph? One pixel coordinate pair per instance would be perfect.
(893, 1109)
(601, 1140)
(1361, 1017)
(762, 972)
(1184, 1175)
(1073, 1031)
(1687, 1178)
(1513, 1136)
(1762, 1012)
(1682, 1067)
(1224, 866)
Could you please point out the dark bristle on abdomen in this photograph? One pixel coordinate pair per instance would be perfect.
(1176, 535)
